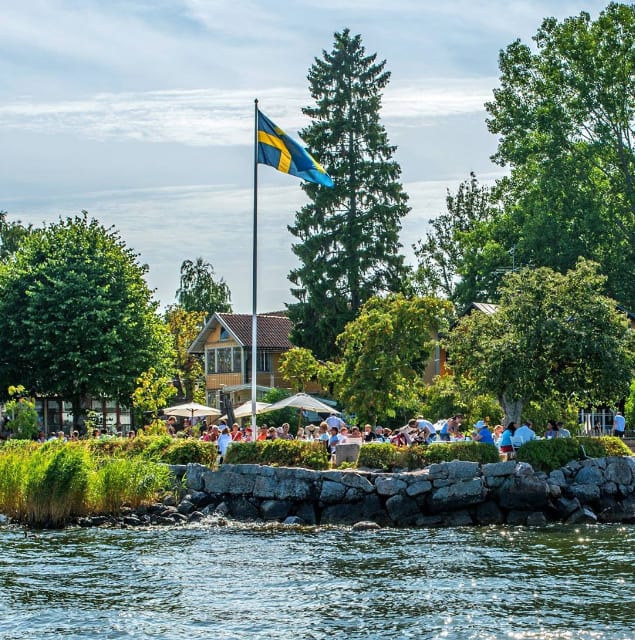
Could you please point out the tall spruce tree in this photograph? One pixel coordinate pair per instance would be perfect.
(348, 247)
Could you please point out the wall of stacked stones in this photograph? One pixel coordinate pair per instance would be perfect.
(447, 494)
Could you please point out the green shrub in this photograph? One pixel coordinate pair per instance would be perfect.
(279, 452)
(378, 455)
(56, 484)
(119, 482)
(155, 448)
(190, 450)
(467, 451)
(547, 455)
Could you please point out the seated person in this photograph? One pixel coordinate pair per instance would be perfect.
(482, 434)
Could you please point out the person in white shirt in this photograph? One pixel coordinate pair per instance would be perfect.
(525, 433)
(619, 425)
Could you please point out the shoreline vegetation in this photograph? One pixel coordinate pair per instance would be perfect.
(142, 481)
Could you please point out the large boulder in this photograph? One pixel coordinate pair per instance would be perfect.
(457, 496)
(524, 493)
(403, 511)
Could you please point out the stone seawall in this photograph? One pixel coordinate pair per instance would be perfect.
(446, 494)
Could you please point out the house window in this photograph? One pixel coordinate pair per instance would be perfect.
(224, 360)
(224, 334)
(264, 361)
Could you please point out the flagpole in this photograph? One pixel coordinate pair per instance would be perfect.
(254, 281)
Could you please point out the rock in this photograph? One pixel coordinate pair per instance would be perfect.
(585, 493)
(274, 509)
(418, 488)
(495, 469)
(589, 475)
(438, 471)
(462, 470)
(557, 477)
(343, 514)
(489, 512)
(178, 470)
(195, 516)
(293, 520)
(458, 519)
(523, 492)
(185, 507)
(306, 512)
(169, 511)
(429, 521)
(390, 486)
(403, 511)
(517, 517)
(198, 498)
(356, 481)
(582, 516)
(3, 519)
(618, 470)
(536, 519)
(169, 501)
(365, 525)
(243, 509)
(566, 506)
(222, 509)
(332, 492)
(523, 469)
(455, 496)
(132, 521)
(619, 512)
(194, 476)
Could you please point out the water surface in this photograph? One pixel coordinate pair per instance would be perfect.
(273, 582)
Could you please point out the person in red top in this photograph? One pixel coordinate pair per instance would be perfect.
(236, 433)
(262, 432)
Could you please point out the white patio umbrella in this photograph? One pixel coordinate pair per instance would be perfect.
(244, 410)
(301, 401)
(191, 410)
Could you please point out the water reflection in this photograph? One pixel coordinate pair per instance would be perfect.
(240, 582)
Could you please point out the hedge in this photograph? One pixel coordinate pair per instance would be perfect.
(279, 452)
(548, 455)
(388, 457)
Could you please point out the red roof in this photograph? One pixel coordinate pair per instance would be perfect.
(273, 331)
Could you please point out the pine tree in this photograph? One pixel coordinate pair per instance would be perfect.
(348, 236)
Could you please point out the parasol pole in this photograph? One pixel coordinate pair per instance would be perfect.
(254, 281)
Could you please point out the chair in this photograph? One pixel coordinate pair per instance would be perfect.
(517, 442)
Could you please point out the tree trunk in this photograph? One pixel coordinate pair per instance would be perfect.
(511, 408)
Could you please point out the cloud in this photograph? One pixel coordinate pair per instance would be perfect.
(211, 117)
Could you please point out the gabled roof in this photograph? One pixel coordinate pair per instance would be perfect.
(485, 307)
(273, 331)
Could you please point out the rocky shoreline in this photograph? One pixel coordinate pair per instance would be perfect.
(443, 495)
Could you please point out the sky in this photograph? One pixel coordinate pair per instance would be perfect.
(141, 113)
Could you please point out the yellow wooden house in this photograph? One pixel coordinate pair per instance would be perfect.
(226, 343)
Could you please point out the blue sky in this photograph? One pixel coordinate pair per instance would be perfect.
(141, 112)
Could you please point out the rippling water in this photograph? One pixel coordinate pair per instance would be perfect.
(240, 582)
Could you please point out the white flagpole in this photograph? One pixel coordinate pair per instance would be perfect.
(254, 280)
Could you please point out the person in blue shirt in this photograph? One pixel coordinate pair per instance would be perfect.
(482, 434)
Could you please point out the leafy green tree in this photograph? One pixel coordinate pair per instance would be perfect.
(153, 392)
(184, 326)
(348, 237)
(460, 257)
(564, 116)
(24, 422)
(11, 234)
(200, 291)
(298, 366)
(78, 318)
(553, 336)
(385, 351)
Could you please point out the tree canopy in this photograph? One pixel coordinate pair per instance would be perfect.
(564, 114)
(200, 291)
(385, 351)
(553, 336)
(347, 237)
(77, 315)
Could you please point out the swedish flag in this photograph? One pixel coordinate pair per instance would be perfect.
(278, 150)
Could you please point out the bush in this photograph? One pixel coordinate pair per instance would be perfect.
(378, 455)
(190, 450)
(468, 451)
(548, 455)
(279, 452)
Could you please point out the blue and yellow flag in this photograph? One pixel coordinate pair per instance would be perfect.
(281, 152)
